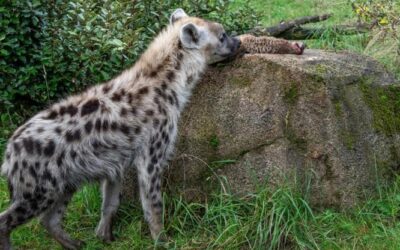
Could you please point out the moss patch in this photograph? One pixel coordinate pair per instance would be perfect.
(348, 139)
(338, 109)
(321, 69)
(241, 80)
(385, 105)
(291, 94)
(298, 142)
(214, 142)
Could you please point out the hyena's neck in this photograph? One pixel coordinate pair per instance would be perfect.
(167, 64)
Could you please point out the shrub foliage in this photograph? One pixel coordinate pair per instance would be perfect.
(49, 49)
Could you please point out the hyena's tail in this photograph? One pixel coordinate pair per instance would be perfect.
(17, 214)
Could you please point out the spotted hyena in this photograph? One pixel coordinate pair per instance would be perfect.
(130, 121)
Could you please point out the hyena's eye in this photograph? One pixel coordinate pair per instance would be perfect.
(222, 37)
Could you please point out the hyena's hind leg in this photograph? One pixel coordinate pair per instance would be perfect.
(111, 197)
(52, 221)
(150, 195)
(17, 214)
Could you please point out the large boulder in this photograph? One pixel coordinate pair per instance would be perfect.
(329, 122)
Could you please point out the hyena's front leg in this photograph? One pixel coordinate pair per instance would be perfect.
(265, 44)
(111, 198)
(149, 178)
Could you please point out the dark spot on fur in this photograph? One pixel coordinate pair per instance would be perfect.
(62, 110)
(51, 115)
(190, 79)
(170, 76)
(177, 65)
(158, 145)
(97, 125)
(90, 107)
(160, 93)
(60, 159)
(151, 151)
(171, 99)
(145, 120)
(154, 159)
(71, 136)
(24, 164)
(73, 122)
(88, 127)
(124, 129)
(162, 111)
(153, 179)
(96, 144)
(175, 98)
(150, 168)
(105, 125)
(49, 149)
(130, 97)
(157, 204)
(33, 172)
(47, 175)
(153, 73)
(21, 179)
(123, 112)
(27, 195)
(15, 168)
(38, 147)
(16, 147)
(138, 130)
(28, 144)
(114, 126)
(179, 56)
(134, 111)
(71, 110)
(37, 165)
(164, 86)
(116, 97)
(73, 154)
(106, 89)
(20, 210)
(143, 91)
(156, 123)
(58, 130)
(149, 112)
(40, 130)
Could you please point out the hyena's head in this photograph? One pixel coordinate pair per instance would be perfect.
(205, 36)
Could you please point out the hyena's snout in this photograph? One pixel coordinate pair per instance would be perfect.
(233, 45)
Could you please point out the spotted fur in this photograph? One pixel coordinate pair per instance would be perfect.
(130, 121)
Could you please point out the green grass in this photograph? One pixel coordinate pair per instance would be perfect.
(263, 220)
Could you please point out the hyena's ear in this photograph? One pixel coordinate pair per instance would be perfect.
(176, 15)
(190, 36)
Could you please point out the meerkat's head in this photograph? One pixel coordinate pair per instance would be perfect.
(207, 37)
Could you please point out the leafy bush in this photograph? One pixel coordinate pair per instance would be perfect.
(49, 49)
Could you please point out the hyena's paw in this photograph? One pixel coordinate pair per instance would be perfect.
(104, 233)
(298, 47)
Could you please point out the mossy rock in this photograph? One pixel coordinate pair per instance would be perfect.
(332, 116)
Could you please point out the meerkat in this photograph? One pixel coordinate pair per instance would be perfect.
(264, 44)
(127, 122)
